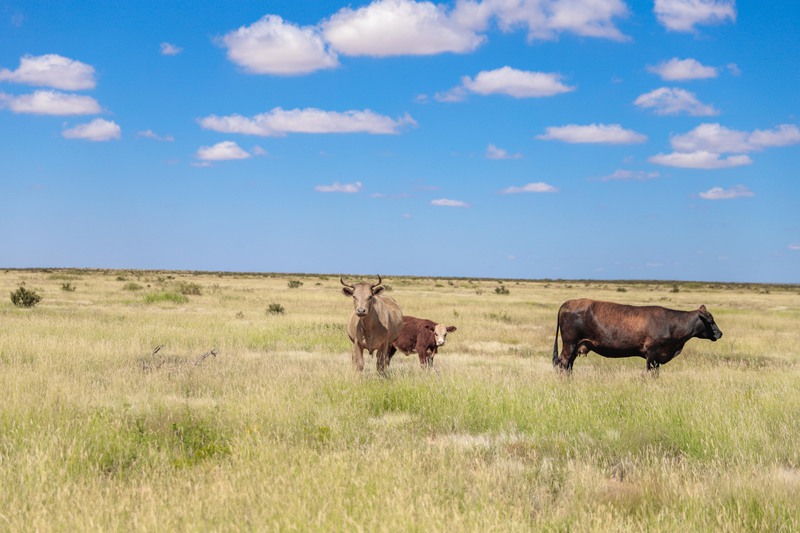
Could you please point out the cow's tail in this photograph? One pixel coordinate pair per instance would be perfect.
(555, 342)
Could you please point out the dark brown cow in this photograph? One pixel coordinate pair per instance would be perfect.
(615, 330)
(421, 336)
(374, 324)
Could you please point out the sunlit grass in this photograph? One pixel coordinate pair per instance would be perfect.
(101, 431)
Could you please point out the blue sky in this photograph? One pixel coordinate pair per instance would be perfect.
(591, 139)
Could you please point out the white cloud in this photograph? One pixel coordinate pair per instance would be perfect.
(349, 188)
(409, 27)
(279, 122)
(674, 101)
(51, 70)
(222, 151)
(630, 175)
(700, 159)
(719, 139)
(169, 49)
(97, 130)
(272, 46)
(50, 103)
(684, 15)
(683, 69)
(794, 247)
(546, 19)
(516, 83)
(493, 152)
(445, 202)
(530, 187)
(718, 193)
(593, 133)
(398, 27)
(150, 134)
(456, 94)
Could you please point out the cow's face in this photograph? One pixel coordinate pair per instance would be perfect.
(710, 329)
(362, 294)
(440, 333)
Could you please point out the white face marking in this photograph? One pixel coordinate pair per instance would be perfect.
(440, 332)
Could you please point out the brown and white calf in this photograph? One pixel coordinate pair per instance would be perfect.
(421, 336)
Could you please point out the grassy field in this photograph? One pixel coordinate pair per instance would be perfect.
(276, 432)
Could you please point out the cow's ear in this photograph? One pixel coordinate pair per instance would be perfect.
(451, 329)
(347, 291)
(377, 290)
(703, 309)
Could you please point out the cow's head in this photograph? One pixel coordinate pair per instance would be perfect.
(710, 329)
(440, 333)
(362, 294)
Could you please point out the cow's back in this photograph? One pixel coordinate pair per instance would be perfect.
(392, 316)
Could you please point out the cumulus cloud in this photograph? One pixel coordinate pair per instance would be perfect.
(493, 152)
(700, 159)
(50, 103)
(684, 15)
(97, 130)
(150, 134)
(719, 139)
(546, 20)
(682, 69)
(272, 46)
(593, 133)
(349, 188)
(446, 202)
(222, 151)
(516, 83)
(407, 27)
(398, 27)
(279, 122)
(674, 101)
(630, 175)
(539, 186)
(169, 49)
(51, 70)
(718, 193)
(703, 146)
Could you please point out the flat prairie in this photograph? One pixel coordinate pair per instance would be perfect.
(194, 401)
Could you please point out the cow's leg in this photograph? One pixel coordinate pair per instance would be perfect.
(390, 352)
(652, 365)
(382, 360)
(358, 357)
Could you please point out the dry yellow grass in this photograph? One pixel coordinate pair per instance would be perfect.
(276, 432)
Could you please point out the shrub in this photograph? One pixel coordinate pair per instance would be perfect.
(275, 309)
(675, 288)
(132, 286)
(190, 289)
(502, 289)
(22, 297)
(294, 284)
(622, 289)
(68, 287)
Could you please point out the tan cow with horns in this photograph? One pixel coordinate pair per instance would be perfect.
(375, 323)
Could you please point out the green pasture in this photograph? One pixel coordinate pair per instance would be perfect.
(115, 416)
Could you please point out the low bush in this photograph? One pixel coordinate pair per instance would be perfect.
(22, 297)
(275, 309)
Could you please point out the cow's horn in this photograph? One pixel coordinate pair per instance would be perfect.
(379, 281)
(345, 284)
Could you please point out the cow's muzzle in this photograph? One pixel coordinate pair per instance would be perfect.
(361, 312)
